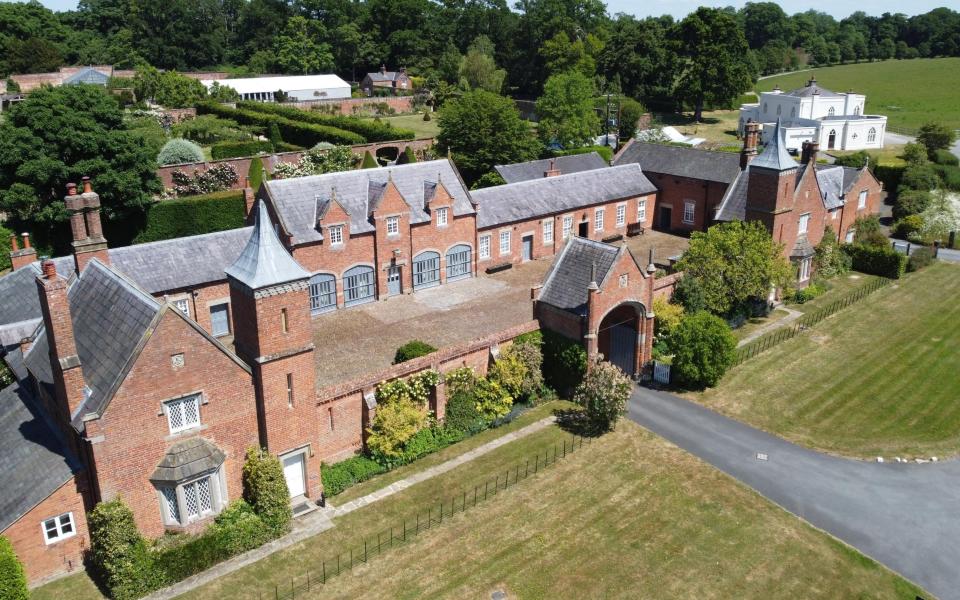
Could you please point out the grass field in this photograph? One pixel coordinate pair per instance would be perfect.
(879, 378)
(626, 516)
(909, 92)
(423, 129)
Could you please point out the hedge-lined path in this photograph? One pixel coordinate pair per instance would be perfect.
(440, 469)
(320, 520)
(787, 320)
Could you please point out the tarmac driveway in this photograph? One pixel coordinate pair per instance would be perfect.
(903, 515)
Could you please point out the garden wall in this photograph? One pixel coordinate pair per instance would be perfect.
(401, 104)
(242, 165)
(663, 286)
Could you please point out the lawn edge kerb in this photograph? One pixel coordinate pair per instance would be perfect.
(425, 520)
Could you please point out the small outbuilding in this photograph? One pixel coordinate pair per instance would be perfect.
(395, 81)
(296, 87)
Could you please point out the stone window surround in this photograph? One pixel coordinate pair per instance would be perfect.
(548, 231)
(689, 211)
(505, 235)
(598, 218)
(484, 241)
(442, 216)
(621, 214)
(335, 233)
(393, 226)
(218, 499)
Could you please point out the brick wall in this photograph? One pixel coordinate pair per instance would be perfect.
(133, 434)
(347, 106)
(663, 287)
(40, 560)
(675, 191)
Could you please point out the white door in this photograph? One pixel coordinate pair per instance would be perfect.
(293, 473)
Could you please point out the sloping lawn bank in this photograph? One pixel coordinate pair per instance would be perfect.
(876, 379)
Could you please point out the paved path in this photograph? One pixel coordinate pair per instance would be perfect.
(432, 472)
(320, 520)
(787, 320)
(906, 516)
(944, 254)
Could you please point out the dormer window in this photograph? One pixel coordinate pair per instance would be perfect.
(335, 233)
(441, 216)
(393, 225)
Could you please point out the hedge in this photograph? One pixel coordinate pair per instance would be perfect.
(340, 476)
(193, 215)
(885, 262)
(412, 349)
(293, 132)
(13, 581)
(373, 131)
(950, 176)
(564, 361)
(240, 149)
(606, 152)
(945, 157)
(889, 176)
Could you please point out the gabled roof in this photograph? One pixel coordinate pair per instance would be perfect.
(88, 75)
(580, 262)
(681, 161)
(535, 169)
(35, 462)
(548, 195)
(295, 200)
(830, 182)
(812, 89)
(775, 155)
(19, 299)
(264, 262)
(385, 75)
(733, 206)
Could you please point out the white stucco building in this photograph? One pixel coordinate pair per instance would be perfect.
(297, 87)
(811, 113)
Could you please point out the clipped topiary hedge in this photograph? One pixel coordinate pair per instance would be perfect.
(889, 176)
(193, 215)
(373, 131)
(338, 477)
(885, 262)
(265, 488)
(293, 132)
(179, 151)
(606, 152)
(412, 349)
(240, 149)
(13, 581)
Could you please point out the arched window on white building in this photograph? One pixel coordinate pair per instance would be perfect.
(778, 110)
(764, 108)
(831, 112)
(872, 135)
(856, 110)
(793, 112)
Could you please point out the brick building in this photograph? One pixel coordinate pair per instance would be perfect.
(395, 81)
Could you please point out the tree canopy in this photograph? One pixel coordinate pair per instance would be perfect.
(566, 110)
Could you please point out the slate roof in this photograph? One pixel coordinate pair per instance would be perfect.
(534, 169)
(580, 262)
(385, 75)
(775, 155)
(733, 206)
(810, 89)
(802, 248)
(34, 462)
(296, 200)
(187, 459)
(19, 298)
(679, 161)
(539, 197)
(264, 261)
(182, 262)
(830, 180)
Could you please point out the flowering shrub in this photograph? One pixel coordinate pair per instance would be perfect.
(318, 161)
(215, 179)
(396, 422)
(603, 394)
(415, 388)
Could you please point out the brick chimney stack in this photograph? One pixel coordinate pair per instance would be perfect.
(21, 257)
(808, 155)
(751, 136)
(88, 240)
(64, 361)
(553, 171)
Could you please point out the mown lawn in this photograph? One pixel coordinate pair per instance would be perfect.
(877, 379)
(909, 92)
(627, 516)
(423, 129)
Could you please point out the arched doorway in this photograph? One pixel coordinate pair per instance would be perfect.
(387, 155)
(619, 334)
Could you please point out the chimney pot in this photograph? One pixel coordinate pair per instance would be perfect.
(71, 189)
(49, 269)
(13, 243)
(26, 241)
(87, 187)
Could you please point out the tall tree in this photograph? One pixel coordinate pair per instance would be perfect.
(711, 51)
(299, 48)
(565, 111)
(478, 69)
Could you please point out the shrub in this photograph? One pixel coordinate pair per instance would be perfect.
(119, 557)
(830, 259)
(945, 157)
(488, 179)
(407, 157)
(369, 162)
(429, 440)
(808, 293)
(462, 414)
(856, 160)
(491, 399)
(603, 394)
(426, 116)
(919, 177)
(238, 529)
(920, 258)
(296, 132)
(339, 476)
(179, 151)
(215, 179)
(911, 202)
(868, 232)
(395, 423)
(885, 261)
(13, 581)
(531, 357)
(265, 489)
(703, 348)
(240, 149)
(509, 373)
(564, 362)
(192, 216)
(255, 173)
(909, 227)
(412, 349)
(604, 151)
(273, 133)
(668, 317)
(949, 176)
(889, 175)
(373, 131)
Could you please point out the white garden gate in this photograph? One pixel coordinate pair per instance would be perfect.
(661, 372)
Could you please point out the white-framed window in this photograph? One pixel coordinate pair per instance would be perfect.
(505, 241)
(183, 305)
(851, 233)
(831, 111)
(393, 225)
(192, 500)
(58, 528)
(642, 211)
(598, 219)
(862, 199)
(872, 135)
(548, 231)
(485, 246)
(183, 413)
(804, 270)
(441, 216)
(567, 226)
(335, 234)
(834, 213)
(804, 224)
(689, 211)
(621, 215)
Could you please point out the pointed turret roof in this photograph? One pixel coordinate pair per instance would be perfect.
(775, 155)
(264, 261)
